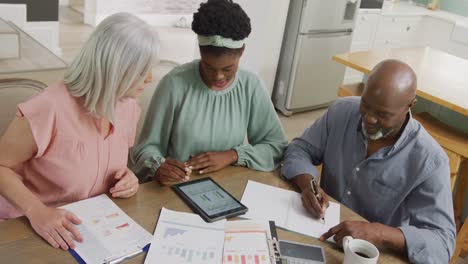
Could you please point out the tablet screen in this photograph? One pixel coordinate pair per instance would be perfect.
(210, 197)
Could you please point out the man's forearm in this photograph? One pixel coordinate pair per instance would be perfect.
(391, 237)
(302, 181)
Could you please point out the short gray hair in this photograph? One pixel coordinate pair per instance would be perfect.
(117, 56)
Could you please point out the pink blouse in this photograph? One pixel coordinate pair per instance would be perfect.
(74, 161)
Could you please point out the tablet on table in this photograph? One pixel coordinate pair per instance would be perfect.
(209, 200)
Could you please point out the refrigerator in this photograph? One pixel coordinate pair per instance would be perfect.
(307, 77)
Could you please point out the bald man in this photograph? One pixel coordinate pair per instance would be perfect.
(381, 163)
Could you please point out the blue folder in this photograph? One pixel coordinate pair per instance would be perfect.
(81, 261)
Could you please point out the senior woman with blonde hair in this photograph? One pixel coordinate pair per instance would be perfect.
(71, 141)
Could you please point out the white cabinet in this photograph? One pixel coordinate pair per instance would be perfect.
(363, 38)
(15, 13)
(441, 34)
(373, 30)
(436, 32)
(399, 32)
(365, 29)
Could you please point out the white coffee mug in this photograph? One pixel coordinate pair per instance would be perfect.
(358, 251)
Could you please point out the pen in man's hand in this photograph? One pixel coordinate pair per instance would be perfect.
(317, 195)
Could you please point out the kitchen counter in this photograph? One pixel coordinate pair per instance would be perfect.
(34, 57)
(35, 62)
(459, 33)
(407, 9)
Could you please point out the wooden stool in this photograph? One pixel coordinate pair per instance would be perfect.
(461, 248)
(454, 143)
(461, 243)
(354, 89)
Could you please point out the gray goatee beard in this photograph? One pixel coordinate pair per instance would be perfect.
(381, 133)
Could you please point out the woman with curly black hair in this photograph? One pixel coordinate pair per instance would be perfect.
(203, 110)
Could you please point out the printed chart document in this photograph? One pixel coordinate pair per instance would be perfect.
(109, 235)
(245, 242)
(186, 238)
(266, 202)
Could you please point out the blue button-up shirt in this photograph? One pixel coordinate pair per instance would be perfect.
(406, 185)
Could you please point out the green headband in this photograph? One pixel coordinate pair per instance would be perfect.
(219, 41)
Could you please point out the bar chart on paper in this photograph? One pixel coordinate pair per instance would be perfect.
(246, 259)
(190, 255)
(242, 248)
(186, 238)
(178, 250)
(245, 242)
(108, 233)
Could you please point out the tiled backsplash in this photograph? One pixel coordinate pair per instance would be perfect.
(459, 7)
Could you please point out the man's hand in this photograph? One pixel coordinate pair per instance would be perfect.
(172, 171)
(212, 161)
(309, 200)
(378, 234)
(313, 205)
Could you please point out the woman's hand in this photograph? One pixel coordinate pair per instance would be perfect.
(126, 186)
(56, 226)
(212, 161)
(172, 171)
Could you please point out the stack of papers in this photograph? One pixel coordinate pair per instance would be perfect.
(285, 207)
(109, 235)
(186, 238)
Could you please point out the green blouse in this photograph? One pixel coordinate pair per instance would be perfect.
(186, 118)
